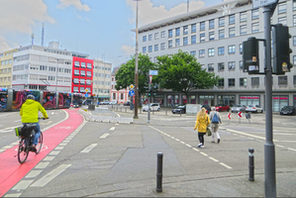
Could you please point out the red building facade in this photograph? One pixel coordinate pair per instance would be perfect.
(82, 75)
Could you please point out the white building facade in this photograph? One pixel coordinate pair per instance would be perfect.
(214, 35)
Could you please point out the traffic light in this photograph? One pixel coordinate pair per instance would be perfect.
(281, 49)
(251, 56)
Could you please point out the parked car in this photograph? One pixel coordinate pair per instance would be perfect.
(207, 107)
(288, 110)
(127, 103)
(238, 108)
(254, 109)
(179, 110)
(222, 107)
(104, 103)
(153, 107)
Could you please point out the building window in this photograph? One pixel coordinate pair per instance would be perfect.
(255, 27)
(221, 82)
(221, 34)
(76, 72)
(144, 38)
(193, 28)
(211, 35)
(283, 20)
(83, 65)
(82, 73)
(243, 29)
(211, 67)
(88, 65)
(282, 8)
(255, 14)
(185, 41)
(294, 5)
(88, 82)
(170, 43)
(243, 17)
(283, 80)
(202, 26)
(231, 82)
(231, 49)
(143, 50)
(150, 48)
(76, 81)
(177, 42)
(82, 81)
(294, 20)
(201, 53)
(193, 53)
(170, 33)
(211, 52)
(231, 32)
(243, 82)
(76, 64)
(220, 66)
(241, 66)
(177, 32)
(88, 73)
(185, 29)
(156, 47)
(240, 48)
(156, 35)
(75, 89)
(221, 22)
(202, 37)
(211, 24)
(162, 34)
(220, 51)
(294, 80)
(162, 46)
(231, 65)
(294, 60)
(193, 39)
(231, 19)
(150, 37)
(255, 81)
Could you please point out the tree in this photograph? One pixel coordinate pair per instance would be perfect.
(182, 73)
(125, 76)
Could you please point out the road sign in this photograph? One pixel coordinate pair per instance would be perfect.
(153, 72)
(86, 95)
(229, 116)
(240, 114)
(86, 90)
(131, 86)
(131, 93)
(261, 3)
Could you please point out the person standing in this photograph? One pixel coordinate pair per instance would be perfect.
(201, 124)
(215, 121)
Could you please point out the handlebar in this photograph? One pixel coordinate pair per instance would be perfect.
(43, 118)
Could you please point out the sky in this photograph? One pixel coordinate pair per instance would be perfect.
(100, 28)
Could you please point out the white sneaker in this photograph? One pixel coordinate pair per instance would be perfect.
(200, 145)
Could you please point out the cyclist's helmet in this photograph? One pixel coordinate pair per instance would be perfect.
(30, 96)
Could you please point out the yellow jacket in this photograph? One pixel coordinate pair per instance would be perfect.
(29, 111)
(201, 124)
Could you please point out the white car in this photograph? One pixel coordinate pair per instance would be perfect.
(254, 108)
(153, 107)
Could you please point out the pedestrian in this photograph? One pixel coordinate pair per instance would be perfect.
(201, 124)
(215, 121)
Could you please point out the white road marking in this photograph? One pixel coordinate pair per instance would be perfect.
(204, 154)
(249, 135)
(104, 135)
(59, 148)
(33, 173)
(112, 129)
(215, 160)
(22, 185)
(49, 158)
(42, 165)
(54, 152)
(291, 149)
(89, 148)
(50, 176)
(225, 165)
(13, 195)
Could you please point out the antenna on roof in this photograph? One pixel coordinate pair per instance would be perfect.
(42, 35)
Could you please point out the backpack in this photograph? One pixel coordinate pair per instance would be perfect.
(215, 118)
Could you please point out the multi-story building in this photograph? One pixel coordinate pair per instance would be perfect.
(102, 80)
(120, 96)
(6, 62)
(214, 35)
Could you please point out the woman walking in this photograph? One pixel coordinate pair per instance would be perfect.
(201, 124)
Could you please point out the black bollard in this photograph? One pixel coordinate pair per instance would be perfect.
(251, 164)
(159, 172)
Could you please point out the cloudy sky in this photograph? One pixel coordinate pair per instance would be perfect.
(100, 28)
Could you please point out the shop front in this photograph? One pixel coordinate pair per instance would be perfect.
(226, 100)
(206, 99)
(249, 100)
(278, 102)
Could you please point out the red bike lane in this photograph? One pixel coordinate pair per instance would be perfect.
(11, 172)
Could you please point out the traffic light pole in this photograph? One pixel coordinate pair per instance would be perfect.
(149, 96)
(269, 151)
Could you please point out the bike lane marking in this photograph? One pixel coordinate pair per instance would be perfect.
(12, 172)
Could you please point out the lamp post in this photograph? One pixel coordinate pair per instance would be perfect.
(136, 67)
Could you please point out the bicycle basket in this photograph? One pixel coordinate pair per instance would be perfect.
(26, 131)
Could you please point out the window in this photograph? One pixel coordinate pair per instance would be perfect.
(162, 46)
(283, 20)
(193, 53)
(144, 49)
(170, 43)
(178, 31)
(220, 51)
(185, 41)
(76, 64)
(201, 53)
(76, 81)
(211, 24)
(88, 82)
(177, 42)
(294, 20)
(282, 8)
(202, 26)
(231, 82)
(243, 29)
(88, 65)
(283, 80)
(211, 52)
(241, 66)
(221, 82)
(82, 89)
(82, 81)
(211, 67)
(294, 5)
(231, 19)
(193, 28)
(162, 34)
(193, 39)
(156, 35)
(156, 47)
(170, 33)
(231, 65)
(82, 73)
(88, 73)
(149, 37)
(75, 89)
(76, 72)
(83, 65)
(243, 82)
(255, 27)
(231, 49)
(243, 17)
(212, 36)
(150, 48)
(294, 80)
(294, 60)
(185, 29)
(221, 22)
(231, 32)
(255, 14)
(221, 34)
(144, 38)
(255, 81)
(240, 48)
(43, 68)
(202, 37)
(220, 66)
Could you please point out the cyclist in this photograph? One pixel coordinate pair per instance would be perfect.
(29, 113)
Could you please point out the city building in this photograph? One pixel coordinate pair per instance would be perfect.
(214, 35)
(120, 96)
(6, 62)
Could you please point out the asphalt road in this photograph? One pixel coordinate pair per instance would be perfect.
(114, 155)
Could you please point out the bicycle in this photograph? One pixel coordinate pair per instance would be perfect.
(26, 134)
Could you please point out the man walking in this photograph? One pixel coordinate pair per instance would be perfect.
(215, 121)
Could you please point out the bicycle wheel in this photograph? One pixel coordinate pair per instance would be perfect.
(40, 143)
(23, 151)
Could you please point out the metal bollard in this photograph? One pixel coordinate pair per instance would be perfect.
(159, 172)
(251, 164)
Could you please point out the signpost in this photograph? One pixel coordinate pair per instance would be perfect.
(151, 73)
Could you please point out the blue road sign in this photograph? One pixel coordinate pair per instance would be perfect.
(131, 93)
